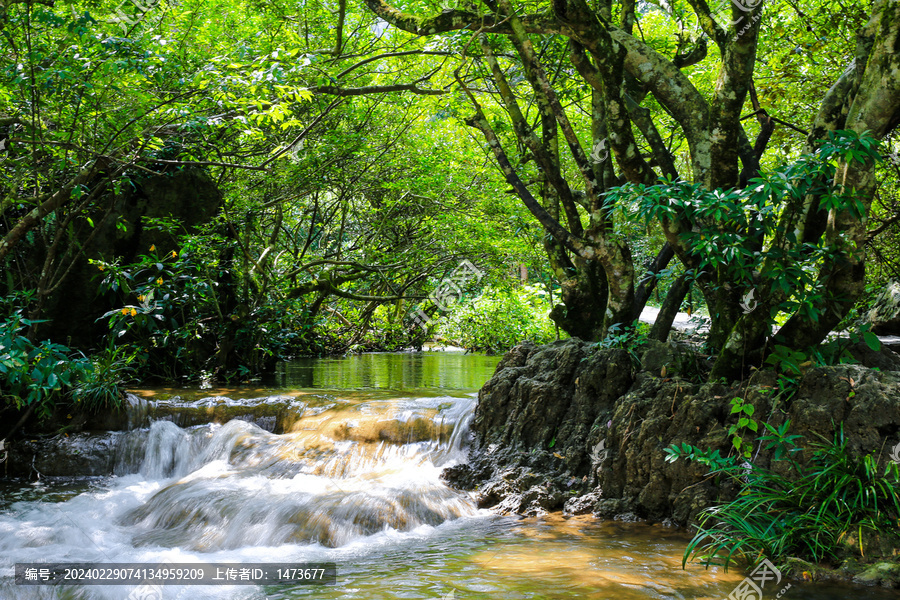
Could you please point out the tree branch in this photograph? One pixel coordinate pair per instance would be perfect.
(374, 89)
(390, 55)
(36, 215)
(551, 225)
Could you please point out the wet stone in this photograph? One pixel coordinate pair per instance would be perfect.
(275, 414)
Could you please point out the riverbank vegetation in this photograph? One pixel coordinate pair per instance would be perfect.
(831, 507)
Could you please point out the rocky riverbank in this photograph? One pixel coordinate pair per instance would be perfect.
(568, 426)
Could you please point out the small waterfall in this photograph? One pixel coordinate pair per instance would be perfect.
(137, 411)
(343, 473)
(325, 474)
(164, 450)
(460, 414)
(167, 451)
(350, 477)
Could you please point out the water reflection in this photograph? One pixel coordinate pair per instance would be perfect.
(423, 372)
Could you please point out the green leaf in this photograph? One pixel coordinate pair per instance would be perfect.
(872, 341)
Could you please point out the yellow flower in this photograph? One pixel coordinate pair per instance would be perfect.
(174, 254)
(159, 281)
(101, 267)
(152, 247)
(124, 311)
(141, 298)
(133, 312)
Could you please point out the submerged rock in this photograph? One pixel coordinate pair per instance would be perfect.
(75, 454)
(884, 574)
(272, 413)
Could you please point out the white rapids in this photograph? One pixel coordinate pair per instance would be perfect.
(346, 480)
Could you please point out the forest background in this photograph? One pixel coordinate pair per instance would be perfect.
(198, 189)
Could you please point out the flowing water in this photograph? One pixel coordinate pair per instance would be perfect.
(347, 472)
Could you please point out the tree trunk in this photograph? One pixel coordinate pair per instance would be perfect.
(669, 310)
(584, 299)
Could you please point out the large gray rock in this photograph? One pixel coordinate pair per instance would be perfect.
(884, 358)
(569, 420)
(885, 313)
(551, 400)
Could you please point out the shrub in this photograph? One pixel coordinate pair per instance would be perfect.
(498, 319)
(35, 376)
(814, 512)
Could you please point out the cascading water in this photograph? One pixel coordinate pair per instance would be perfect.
(245, 486)
(346, 472)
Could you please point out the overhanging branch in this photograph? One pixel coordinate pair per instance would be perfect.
(374, 89)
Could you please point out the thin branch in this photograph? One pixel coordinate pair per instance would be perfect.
(390, 55)
(305, 131)
(872, 234)
(785, 123)
(206, 163)
(374, 89)
(552, 226)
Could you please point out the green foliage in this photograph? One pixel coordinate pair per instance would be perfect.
(40, 375)
(788, 362)
(738, 234)
(711, 458)
(373, 195)
(813, 512)
(34, 374)
(101, 385)
(178, 307)
(164, 297)
(745, 423)
(499, 319)
(792, 364)
(631, 339)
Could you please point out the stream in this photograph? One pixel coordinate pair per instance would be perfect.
(346, 473)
